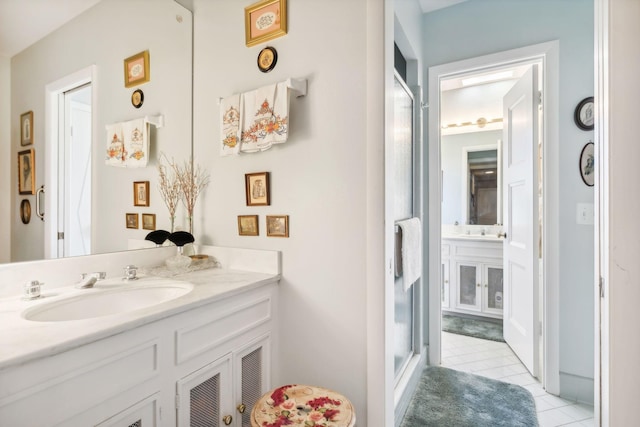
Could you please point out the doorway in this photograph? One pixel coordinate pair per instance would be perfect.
(70, 118)
(546, 55)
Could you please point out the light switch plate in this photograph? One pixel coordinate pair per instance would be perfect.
(585, 213)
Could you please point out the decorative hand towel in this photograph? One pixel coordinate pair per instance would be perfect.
(265, 117)
(116, 153)
(136, 143)
(230, 125)
(411, 251)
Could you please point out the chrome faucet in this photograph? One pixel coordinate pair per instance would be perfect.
(32, 290)
(130, 272)
(88, 280)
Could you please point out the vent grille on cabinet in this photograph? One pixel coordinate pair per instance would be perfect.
(251, 383)
(205, 403)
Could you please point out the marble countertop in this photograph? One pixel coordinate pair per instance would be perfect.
(473, 237)
(24, 340)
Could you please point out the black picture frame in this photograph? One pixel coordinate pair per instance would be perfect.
(267, 59)
(584, 115)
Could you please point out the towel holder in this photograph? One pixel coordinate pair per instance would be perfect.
(157, 121)
(297, 86)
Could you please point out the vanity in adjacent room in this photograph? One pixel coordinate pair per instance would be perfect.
(472, 274)
(204, 350)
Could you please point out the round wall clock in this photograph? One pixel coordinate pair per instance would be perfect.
(267, 59)
(584, 114)
(137, 98)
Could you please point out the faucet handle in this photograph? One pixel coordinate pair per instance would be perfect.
(99, 275)
(130, 272)
(32, 290)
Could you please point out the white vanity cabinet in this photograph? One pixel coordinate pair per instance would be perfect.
(202, 366)
(474, 275)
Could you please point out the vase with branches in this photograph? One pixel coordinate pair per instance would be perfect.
(192, 180)
(170, 190)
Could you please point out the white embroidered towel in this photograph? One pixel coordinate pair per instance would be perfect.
(230, 125)
(136, 143)
(116, 152)
(411, 251)
(265, 117)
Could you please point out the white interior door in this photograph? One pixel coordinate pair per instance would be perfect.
(521, 218)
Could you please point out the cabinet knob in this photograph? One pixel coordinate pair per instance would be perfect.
(241, 408)
(502, 234)
(478, 284)
(486, 286)
(446, 281)
(227, 419)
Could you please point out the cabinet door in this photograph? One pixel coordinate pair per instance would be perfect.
(142, 414)
(204, 396)
(493, 288)
(468, 286)
(445, 284)
(251, 379)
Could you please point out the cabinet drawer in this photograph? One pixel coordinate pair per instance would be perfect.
(445, 250)
(201, 337)
(484, 251)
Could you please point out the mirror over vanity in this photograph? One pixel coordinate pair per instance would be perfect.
(80, 68)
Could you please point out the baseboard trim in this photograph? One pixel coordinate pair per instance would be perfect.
(576, 388)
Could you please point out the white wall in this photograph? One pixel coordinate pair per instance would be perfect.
(621, 251)
(319, 178)
(451, 155)
(97, 37)
(6, 201)
(476, 28)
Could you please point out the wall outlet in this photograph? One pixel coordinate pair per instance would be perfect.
(585, 213)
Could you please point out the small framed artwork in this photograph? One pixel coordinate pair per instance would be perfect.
(136, 69)
(141, 193)
(257, 189)
(278, 225)
(584, 114)
(27, 172)
(265, 20)
(587, 164)
(132, 220)
(25, 211)
(248, 225)
(26, 128)
(148, 221)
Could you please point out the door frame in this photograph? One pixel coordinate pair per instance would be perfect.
(547, 54)
(52, 137)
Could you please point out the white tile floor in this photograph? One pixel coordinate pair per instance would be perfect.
(496, 360)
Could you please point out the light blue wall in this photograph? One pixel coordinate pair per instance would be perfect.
(479, 27)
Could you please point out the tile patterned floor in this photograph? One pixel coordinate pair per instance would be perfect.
(496, 360)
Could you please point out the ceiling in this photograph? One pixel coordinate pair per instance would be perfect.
(45, 16)
(42, 16)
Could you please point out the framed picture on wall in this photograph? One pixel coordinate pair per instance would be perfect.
(248, 225)
(141, 193)
(278, 225)
(148, 221)
(257, 189)
(26, 128)
(132, 220)
(136, 69)
(265, 20)
(587, 164)
(27, 172)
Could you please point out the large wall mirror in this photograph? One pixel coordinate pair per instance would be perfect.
(77, 71)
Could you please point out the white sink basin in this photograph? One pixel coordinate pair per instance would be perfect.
(91, 303)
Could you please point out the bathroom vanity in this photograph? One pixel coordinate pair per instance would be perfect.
(472, 275)
(203, 350)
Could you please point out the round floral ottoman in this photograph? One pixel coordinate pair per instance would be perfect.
(304, 406)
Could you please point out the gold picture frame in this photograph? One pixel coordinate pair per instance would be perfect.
(257, 189)
(27, 172)
(137, 69)
(265, 20)
(248, 225)
(141, 193)
(26, 128)
(148, 221)
(278, 225)
(132, 220)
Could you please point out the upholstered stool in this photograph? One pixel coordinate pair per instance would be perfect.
(293, 405)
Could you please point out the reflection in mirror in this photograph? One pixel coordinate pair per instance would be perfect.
(91, 49)
(482, 194)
